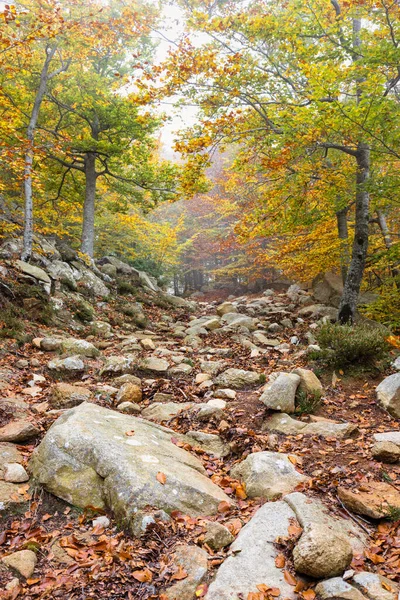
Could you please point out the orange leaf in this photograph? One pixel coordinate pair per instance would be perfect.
(280, 561)
(143, 576)
(201, 590)
(289, 578)
(130, 433)
(309, 595)
(180, 574)
(161, 478)
(224, 507)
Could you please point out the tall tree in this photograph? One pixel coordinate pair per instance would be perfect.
(302, 80)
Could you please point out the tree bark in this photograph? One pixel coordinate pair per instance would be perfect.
(381, 218)
(348, 303)
(87, 244)
(30, 134)
(343, 233)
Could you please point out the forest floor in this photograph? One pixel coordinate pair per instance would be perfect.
(77, 560)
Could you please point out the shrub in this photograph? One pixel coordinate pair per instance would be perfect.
(346, 345)
(386, 309)
(307, 402)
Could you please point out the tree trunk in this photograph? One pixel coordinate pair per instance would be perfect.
(348, 303)
(343, 233)
(381, 218)
(30, 134)
(87, 244)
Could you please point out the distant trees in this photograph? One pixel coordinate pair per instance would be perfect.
(309, 95)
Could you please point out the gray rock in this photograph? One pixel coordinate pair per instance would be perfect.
(238, 320)
(15, 473)
(129, 408)
(78, 347)
(283, 423)
(237, 378)
(209, 442)
(33, 271)
(164, 411)
(127, 378)
(154, 365)
(321, 552)
(193, 560)
(92, 455)
(375, 587)
(280, 394)
(262, 339)
(387, 452)
(212, 367)
(388, 394)
(225, 308)
(62, 272)
(8, 454)
(337, 589)
(217, 536)
(119, 365)
(314, 512)
(268, 475)
(70, 365)
(101, 328)
(318, 311)
(252, 557)
(23, 561)
(182, 369)
(309, 384)
(64, 395)
(396, 364)
(50, 344)
(19, 430)
(225, 394)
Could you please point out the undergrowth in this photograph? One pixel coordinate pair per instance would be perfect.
(342, 346)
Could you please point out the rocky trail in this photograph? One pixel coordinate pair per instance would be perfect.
(193, 453)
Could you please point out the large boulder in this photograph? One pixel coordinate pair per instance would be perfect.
(388, 394)
(328, 288)
(309, 384)
(268, 474)
(35, 272)
(251, 562)
(322, 552)
(280, 394)
(95, 456)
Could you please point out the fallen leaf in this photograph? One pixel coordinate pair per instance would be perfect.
(161, 478)
(280, 561)
(289, 578)
(143, 576)
(180, 574)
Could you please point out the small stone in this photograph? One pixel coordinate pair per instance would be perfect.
(129, 392)
(238, 378)
(201, 377)
(129, 408)
(22, 364)
(19, 430)
(101, 521)
(387, 452)
(338, 589)
(148, 344)
(50, 344)
(35, 363)
(64, 395)
(23, 561)
(76, 347)
(127, 378)
(217, 403)
(388, 394)
(15, 473)
(12, 584)
(154, 365)
(193, 560)
(217, 536)
(322, 552)
(225, 394)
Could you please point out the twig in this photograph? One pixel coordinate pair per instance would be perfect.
(353, 517)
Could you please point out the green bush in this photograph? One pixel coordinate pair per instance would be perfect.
(345, 345)
(308, 403)
(386, 309)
